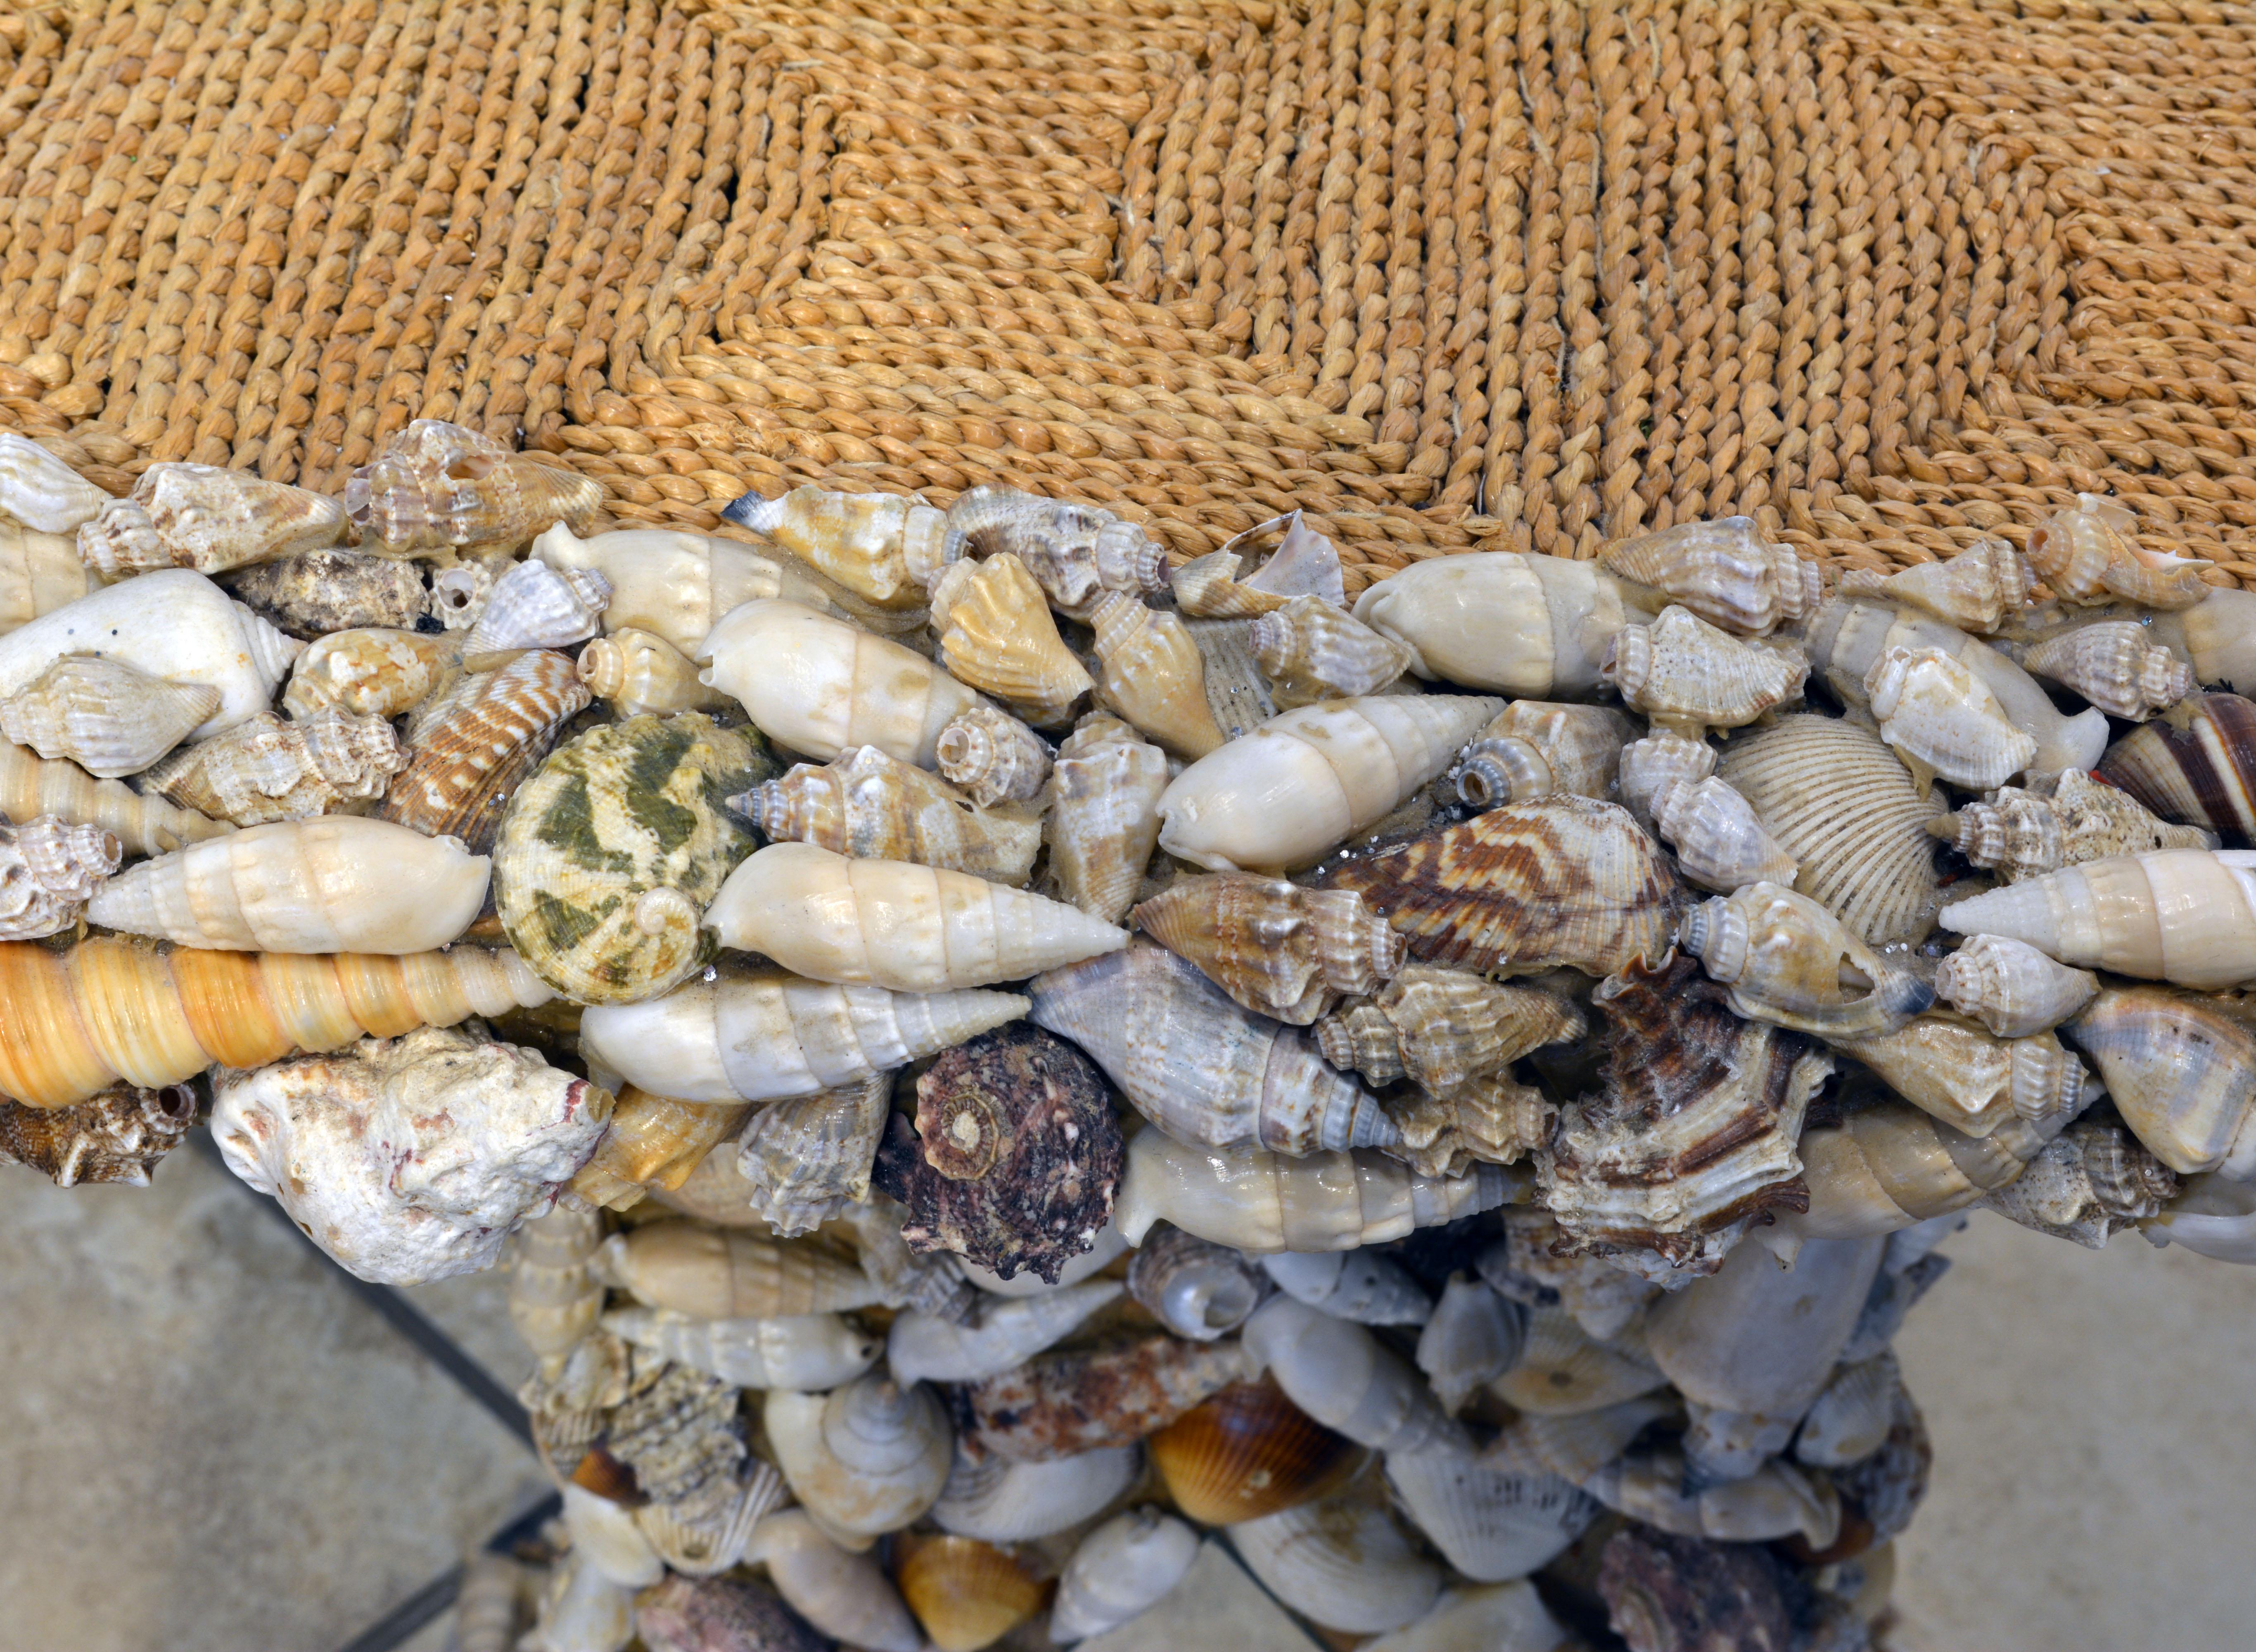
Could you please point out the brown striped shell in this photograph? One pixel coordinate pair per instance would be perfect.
(1057, 1404)
(470, 749)
(1248, 1451)
(2194, 764)
(1276, 948)
(116, 1136)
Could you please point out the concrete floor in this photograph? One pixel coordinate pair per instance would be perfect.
(208, 1445)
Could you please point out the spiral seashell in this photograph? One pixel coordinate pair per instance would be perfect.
(840, 1593)
(2087, 555)
(873, 806)
(886, 924)
(708, 1274)
(1884, 1169)
(2181, 1070)
(532, 605)
(1684, 673)
(1103, 815)
(1534, 749)
(1723, 571)
(1491, 1524)
(1472, 1339)
(1942, 720)
(1972, 1081)
(1062, 1404)
(110, 717)
(40, 491)
(470, 750)
(677, 586)
(2194, 766)
(2183, 915)
(311, 594)
(1343, 1565)
(654, 1143)
(1199, 1066)
(1304, 563)
(1154, 675)
(371, 673)
(682, 1616)
(1562, 1371)
(1659, 758)
(1506, 1617)
(39, 573)
(967, 1594)
(1196, 1289)
(1978, 589)
(1345, 1378)
(810, 1352)
(337, 883)
(553, 1300)
(2113, 666)
(1277, 948)
(268, 770)
(1492, 1120)
(459, 594)
(199, 516)
(1560, 880)
(49, 869)
(1300, 785)
(992, 755)
(410, 1159)
(996, 634)
(1000, 1501)
(883, 547)
(1442, 1028)
(2126, 1181)
(117, 1136)
(802, 1162)
(1122, 1569)
(1788, 961)
(638, 672)
(818, 684)
(1077, 552)
(437, 485)
(2011, 987)
(1524, 625)
(1720, 841)
(767, 1036)
(1005, 1333)
(1311, 651)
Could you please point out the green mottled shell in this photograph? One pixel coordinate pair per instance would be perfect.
(623, 811)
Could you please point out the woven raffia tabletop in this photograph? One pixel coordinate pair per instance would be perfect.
(1450, 276)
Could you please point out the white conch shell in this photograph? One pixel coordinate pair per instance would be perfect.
(676, 585)
(174, 623)
(1078, 552)
(110, 719)
(1720, 842)
(39, 573)
(1342, 1376)
(1301, 784)
(410, 1159)
(770, 1036)
(820, 686)
(2113, 666)
(2182, 1071)
(1850, 1419)
(1663, 758)
(201, 517)
(2182, 915)
(334, 884)
(1535, 748)
(1724, 571)
(1260, 1202)
(1365, 1287)
(42, 492)
(996, 635)
(1789, 960)
(1502, 1617)
(639, 671)
(533, 605)
(865, 1459)
(1530, 626)
(1972, 1081)
(554, 1301)
(886, 547)
(1001, 1502)
(1754, 1338)
(1104, 820)
(1491, 1523)
(605, 1537)
(888, 923)
(923, 1347)
(842, 1593)
(2011, 987)
(1685, 674)
(1310, 650)
(1120, 1569)
(1341, 1563)
(1472, 1337)
(811, 1353)
(49, 869)
(1943, 720)
(1976, 590)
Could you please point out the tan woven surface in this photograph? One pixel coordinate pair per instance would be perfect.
(1448, 275)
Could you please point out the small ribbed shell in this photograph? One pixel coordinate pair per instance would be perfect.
(1346, 1379)
(2021, 833)
(2196, 764)
(532, 605)
(1196, 1289)
(1342, 1563)
(1274, 947)
(1442, 1028)
(1563, 1371)
(118, 1136)
(1942, 720)
(1078, 552)
(1976, 590)
(803, 1160)
(652, 1146)
(1103, 815)
(370, 672)
(1720, 841)
(1839, 802)
(110, 719)
(1248, 1451)
(314, 593)
(2113, 666)
(1154, 675)
(437, 485)
(1723, 571)
(992, 755)
(639, 671)
(2086, 553)
(1490, 1523)
(39, 573)
(553, 1300)
(873, 806)
(1661, 758)
(710, 1274)
(1000, 1501)
(1535, 748)
(2181, 1070)
(1310, 650)
(2011, 987)
(42, 492)
(967, 1594)
(996, 634)
(883, 547)
(269, 770)
(1684, 673)
(2183, 915)
(1472, 1337)
(49, 869)
(1493, 1120)
(1789, 960)
(199, 516)
(469, 750)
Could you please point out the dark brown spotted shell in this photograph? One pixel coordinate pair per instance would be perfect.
(117, 1136)
(316, 592)
(1015, 1156)
(1665, 1593)
(1058, 1404)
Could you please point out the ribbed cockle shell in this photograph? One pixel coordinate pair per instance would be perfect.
(1976, 590)
(2087, 555)
(2114, 667)
(1723, 571)
(437, 485)
(1789, 960)
(110, 719)
(1684, 673)
(873, 806)
(1276, 948)
(199, 516)
(470, 750)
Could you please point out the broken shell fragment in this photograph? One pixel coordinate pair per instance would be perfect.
(1003, 1333)
(1344, 1563)
(1304, 563)
(1491, 1522)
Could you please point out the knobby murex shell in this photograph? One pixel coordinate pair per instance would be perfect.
(532, 605)
(1685, 674)
(270, 770)
(1943, 720)
(116, 1136)
(437, 486)
(2112, 665)
(804, 1160)
(996, 635)
(2022, 834)
(1103, 816)
(1311, 650)
(1276, 948)
(1078, 552)
(2087, 555)
(49, 869)
(876, 808)
(1976, 590)
(1442, 1028)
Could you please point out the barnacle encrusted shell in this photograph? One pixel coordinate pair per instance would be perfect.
(1942, 720)
(1670, 1593)
(371, 672)
(269, 770)
(437, 486)
(2011, 987)
(1442, 1028)
(1522, 888)
(1721, 843)
(609, 854)
(199, 516)
(1724, 571)
(1276, 948)
(1154, 675)
(409, 1158)
(803, 1160)
(42, 492)
(1694, 1129)
(1789, 960)
(2196, 764)
(469, 749)
(1057, 1404)
(1976, 590)
(116, 1136)
(2087, 555)
(873, 806)
(1103, 815)
(1194, 1288)
(638, 671)
(1078, 552)
(706, 1274)
(1014, 1158)
(1836, 800)
(314, 593)
(2181, 1070)
(2185, 915)
(996, 634)
(2113, 666)
(1684, 673)
(887, 547)
(707, 1614)
(532, 605)
(1534, 748)
(992, 755)
(1526, 626)
(110, 719)
(1310, 650)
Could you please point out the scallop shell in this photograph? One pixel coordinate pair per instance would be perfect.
(1473, 1338)
(1521, 888)
(1835, 799)
(1002, 1333)
(1277, 948)
(1196, 1289)
(313, 593)
(1442, 1028)
(2087, 555)
(2194, 766)
(1078, 552)
(410, 1159)
(1788, 961)
(1564, 1371)
(804, 1159)
(1103, 816)
(1978, 590)
(1341, 1563)
(39, 573)
(1310, 650)
(2181, 1070)
(532, 605)
(709, 1613)
(883, 547)
(199, 516)
(42, 492)
(1723, 571)
(678, 586)
(708, 1274)
(437, 485)
(1685, 675)
(269, 770)
(996, 634)
(1942, 720)
(1014, 1158)
(1000, 1501)
(609, 854)
(2011, 987)
(1120, 1570)
(1720, 841)
(840, 1593)
(1061, 1404)
(2185, 915)
(469, 751)
(1534, 748)
(1154, 675)
(991, 755)
(1529, 626)
(371, 673)
(1246, 1451)
(1346, 1379)
(967, 1594)
(1659, 758)
(553, 1300)
(1491, 1524)
(2113, 666)
(654, 1142)
(110, 719)
(116, 1136)
(639, 671)
(873, 806)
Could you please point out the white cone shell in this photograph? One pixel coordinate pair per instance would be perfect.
(1757, 1337)
(2182, 915)
(842, 1593)
(1122, 1568)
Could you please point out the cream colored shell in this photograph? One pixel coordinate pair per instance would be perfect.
(996, 634)
(38, 574)
(199, 516)
(864, 1460)
(1976, 590)
(110, 719)
(371, 672)
(1685, 674)
(1530, 626)
(1104, 818)
(1943, 719)
(40, 491)
(676, 585)
(639, 671)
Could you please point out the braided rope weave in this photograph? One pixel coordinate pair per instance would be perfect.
(1450, 275)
